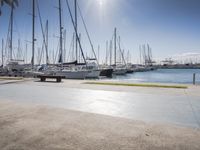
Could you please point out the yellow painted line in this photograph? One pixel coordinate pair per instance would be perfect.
(139, 85)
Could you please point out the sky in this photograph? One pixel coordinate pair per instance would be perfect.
(170, 27)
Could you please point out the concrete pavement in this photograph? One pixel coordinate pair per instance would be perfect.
(35, 127)
(177, 106)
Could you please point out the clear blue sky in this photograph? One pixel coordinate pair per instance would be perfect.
(169, 26)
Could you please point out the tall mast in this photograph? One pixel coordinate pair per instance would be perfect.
(33, 36)
(47, 38)
(26, 53)
(88, 35)
(61, 45)
(98, 52)
(64, 39)
(106, 52)
(120, 57)
(111, 52)
(79, 51)
(127, 57)
(115, 46)
(77, 37)
(122, 52)
(73, 45)
(76, 28)
(2, 52)
(140, 54)
(11, 32)
(144, 54)
(148, 54)
(18, 50)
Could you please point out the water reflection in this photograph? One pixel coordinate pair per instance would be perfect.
(162, 75)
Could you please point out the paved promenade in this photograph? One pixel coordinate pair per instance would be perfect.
(176, 106)
(72, 115)
(35, 127)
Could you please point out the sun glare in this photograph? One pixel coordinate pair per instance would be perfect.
(101, 2)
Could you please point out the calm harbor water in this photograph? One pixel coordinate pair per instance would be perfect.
(162, 75)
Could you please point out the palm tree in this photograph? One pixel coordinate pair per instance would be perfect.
(11, 3)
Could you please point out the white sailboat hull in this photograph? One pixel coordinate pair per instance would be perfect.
(68, 74)
(93, 74)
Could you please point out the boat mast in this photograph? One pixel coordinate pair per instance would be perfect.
(33, 36)
(88, 35)
(18, 50)
(76, 28)
(26, 53)
(47, 38)
(73, 47)
(144, 55)
(128, 57)
(11, 31)
(76, 34)
(111, 52)
(106, 52)
(140, 54)
(64, 44)
(79, 51)
(122, 52)
(98, 52)
(2, 52)
(115, 46)
(61, 45)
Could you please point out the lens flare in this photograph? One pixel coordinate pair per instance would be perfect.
(101, 2)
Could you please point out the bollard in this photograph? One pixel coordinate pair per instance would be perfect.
(194, 79)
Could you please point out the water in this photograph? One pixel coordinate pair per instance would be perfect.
(162, 75)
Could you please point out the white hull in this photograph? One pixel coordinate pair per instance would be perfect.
(93, 74)
(68, 74)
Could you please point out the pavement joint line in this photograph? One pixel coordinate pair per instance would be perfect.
(193, 110)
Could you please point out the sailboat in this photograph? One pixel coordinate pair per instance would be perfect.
(76, 70)
(118, 67)
(106, 72)
(68, 70)
(13, 66)
(119, 70)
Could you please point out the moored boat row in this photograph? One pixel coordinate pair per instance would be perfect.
(79, 68)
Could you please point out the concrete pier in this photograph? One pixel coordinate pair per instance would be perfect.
(34, 127)
(73, 115)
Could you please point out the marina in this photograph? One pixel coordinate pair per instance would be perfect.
(99, 75)
(81, 66)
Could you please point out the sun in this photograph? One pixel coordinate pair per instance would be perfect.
(101, 2)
